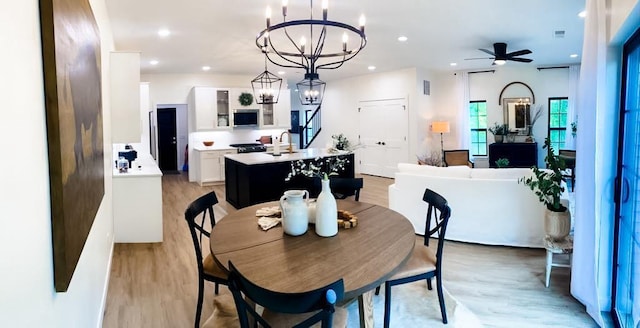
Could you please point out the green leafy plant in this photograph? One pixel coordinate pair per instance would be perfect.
(499, 129)
(547, 184)
(574, 128)
(502, 162)
(318, 168)
(245, 99)
(340, 142)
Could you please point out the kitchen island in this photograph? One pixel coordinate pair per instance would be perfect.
(254, 178)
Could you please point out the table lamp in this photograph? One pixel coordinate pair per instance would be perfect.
(440, 127)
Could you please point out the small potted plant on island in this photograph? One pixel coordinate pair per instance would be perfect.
(547, 185)
(499, 131)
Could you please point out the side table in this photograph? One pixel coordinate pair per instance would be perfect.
(564, 246)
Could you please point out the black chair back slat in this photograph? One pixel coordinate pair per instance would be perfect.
(291, 303)
(203, 207)
(439, 212)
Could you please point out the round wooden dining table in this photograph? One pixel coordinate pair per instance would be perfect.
(364, 256)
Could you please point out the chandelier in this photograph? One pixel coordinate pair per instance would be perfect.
(320, 45)
(266, 87)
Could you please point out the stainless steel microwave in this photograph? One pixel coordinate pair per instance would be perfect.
(245, 117)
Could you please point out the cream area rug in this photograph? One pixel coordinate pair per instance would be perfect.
(413, 305)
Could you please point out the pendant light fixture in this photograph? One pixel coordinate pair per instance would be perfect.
(266, 87)
(323, 44)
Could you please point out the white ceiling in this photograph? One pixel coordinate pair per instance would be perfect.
(221, 34)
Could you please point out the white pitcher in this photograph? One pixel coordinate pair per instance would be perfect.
(295, 217)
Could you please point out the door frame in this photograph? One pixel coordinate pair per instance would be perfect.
(632, 43)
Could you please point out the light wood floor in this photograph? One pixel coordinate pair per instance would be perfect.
(155, 285)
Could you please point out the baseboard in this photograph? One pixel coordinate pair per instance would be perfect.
(103, 304)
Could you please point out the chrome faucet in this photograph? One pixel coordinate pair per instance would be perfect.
(290, 148)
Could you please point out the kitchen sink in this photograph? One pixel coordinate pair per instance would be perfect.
(282, 153)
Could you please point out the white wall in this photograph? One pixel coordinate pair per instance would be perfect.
(28, 297)
(340, 105)
(174, 89)
(487, 86)
(340, 115)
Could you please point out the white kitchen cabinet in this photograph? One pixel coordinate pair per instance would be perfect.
(211, 165)
(282, 110)
(126, 126)
(209, 109)
(137, 203)
(202, 102)
(279, 114)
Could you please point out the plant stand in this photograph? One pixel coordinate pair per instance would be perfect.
(552, 246)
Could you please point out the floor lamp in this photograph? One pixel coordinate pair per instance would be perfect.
(440, 127)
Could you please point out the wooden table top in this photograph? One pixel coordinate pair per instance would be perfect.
(364, 256)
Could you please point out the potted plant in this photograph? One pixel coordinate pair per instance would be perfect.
(502, 162)
(499, 131)
(547, 185)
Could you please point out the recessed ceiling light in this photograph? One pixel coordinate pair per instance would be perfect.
(402, 38)
(281, 72)
(154, 62)
(582, 14)
(371, 68)
(453, 64)
(206, 68)
(163, 32)
(573, 55)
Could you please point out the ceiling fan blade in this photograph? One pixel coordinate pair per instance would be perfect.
(487, 52)
(478, 58)
(519, 53)
(524, 60)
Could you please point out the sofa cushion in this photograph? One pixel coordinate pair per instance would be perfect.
(435, 171)
(507, 173)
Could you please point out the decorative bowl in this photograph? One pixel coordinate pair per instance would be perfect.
(208, 143)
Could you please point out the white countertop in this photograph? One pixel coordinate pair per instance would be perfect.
(149, 168)
(214, 147)
(263, 158)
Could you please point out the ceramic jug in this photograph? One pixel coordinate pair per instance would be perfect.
(295, 216)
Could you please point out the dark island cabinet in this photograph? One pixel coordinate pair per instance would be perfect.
(250, 184)
(519, 154)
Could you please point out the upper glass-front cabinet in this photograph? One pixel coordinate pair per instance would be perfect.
(222, 105)
(267, 115)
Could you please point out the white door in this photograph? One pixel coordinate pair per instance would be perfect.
(383, 133)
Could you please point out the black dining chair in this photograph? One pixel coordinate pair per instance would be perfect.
(424, 263)
(200, 218)
(286, 309)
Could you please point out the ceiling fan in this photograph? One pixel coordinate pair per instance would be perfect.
(500, 55)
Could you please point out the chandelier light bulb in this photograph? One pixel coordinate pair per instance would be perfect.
(282, 49)
(268, 15)
(303, 42)
(325, 6)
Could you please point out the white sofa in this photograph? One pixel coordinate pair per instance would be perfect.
(488, 206)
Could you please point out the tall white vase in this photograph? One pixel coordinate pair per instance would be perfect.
(326, 212)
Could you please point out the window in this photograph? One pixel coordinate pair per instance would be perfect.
(558, 122)
(478, 125)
